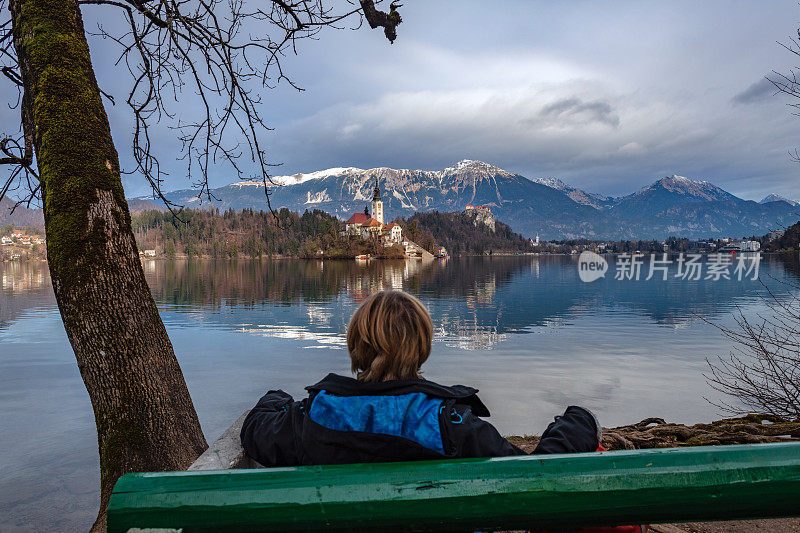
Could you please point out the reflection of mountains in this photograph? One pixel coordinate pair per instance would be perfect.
(550, 293)
(676, 302)
(213, 283)
(313, 300)
(475, 302)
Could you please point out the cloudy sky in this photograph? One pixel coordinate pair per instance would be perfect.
(607, 96)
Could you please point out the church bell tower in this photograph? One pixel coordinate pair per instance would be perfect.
(377, 204)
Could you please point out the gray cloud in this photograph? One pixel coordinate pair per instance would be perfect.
(607, 97)
(758, 91)
(576, 108)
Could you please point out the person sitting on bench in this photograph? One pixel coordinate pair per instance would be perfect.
(389, 412)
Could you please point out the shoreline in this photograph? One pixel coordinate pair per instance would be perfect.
(657, 433)
(185, 257)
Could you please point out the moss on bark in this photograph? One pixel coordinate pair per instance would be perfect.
(75, 151)
(144, 415)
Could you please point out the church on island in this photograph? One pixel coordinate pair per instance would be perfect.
(366, 226)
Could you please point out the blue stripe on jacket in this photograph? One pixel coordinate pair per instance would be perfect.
(413, 416)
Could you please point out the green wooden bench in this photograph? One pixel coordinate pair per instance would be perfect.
(608, 488)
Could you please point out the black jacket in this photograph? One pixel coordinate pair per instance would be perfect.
(344, 420)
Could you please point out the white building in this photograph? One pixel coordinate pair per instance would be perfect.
(395, 232)
(6, 240)
(743, 246)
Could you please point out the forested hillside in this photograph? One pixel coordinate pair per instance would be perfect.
(788, 242)
(21, 216)
(458, 233)
(248, 233)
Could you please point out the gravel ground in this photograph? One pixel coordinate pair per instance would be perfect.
(741, 526)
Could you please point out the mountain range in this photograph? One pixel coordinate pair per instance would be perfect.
(671, 206)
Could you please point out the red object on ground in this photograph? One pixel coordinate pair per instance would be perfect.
(617, 529)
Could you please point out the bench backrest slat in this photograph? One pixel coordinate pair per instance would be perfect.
(610, 488)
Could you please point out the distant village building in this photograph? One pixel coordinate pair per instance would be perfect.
(743, 246)
(21, 238)
(149, 253)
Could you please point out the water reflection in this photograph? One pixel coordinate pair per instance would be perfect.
(475, 302)
(524, 330)
(25, 287)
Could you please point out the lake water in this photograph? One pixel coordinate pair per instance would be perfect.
(524, 330)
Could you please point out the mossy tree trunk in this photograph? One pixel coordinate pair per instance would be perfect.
(145, 417)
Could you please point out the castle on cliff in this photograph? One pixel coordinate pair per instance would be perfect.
(481, 214)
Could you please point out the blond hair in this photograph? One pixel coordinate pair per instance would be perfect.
(389, 337)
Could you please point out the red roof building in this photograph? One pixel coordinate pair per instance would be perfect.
(358, 218)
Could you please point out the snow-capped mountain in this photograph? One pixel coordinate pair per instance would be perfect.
(555, 210)
(296, 179)
(700, 189)
(666, 193)
(778, 198)
(598, 201)
(680, 206)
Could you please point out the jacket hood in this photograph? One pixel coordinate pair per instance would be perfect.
(347, 386)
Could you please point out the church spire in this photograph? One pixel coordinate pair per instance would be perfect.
(377, 203)
(377, 196)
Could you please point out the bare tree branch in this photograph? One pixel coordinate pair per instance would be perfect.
(762, 373)
(17, 151)
(199, 67)
(789, 84)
